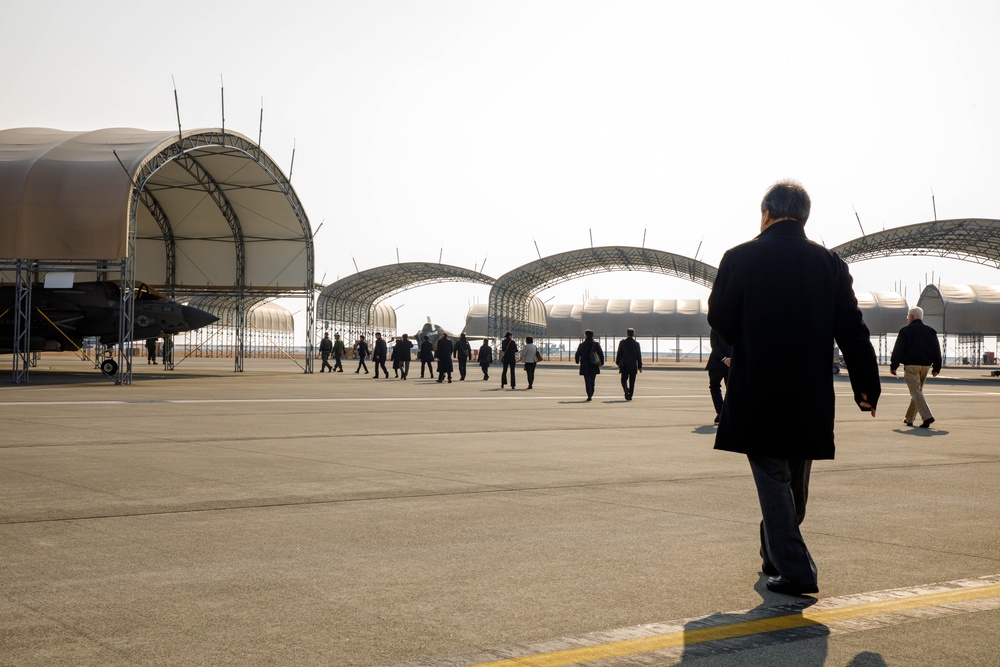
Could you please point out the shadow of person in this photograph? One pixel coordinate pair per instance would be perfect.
(572, 402)
(773, 633)
(921, 432)
(867, 659)
(707, 429)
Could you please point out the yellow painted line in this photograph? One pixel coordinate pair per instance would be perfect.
(627, 647)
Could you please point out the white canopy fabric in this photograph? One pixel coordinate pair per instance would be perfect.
(564, 320)
(649, 317)
(962, 309)
(209, 203)
(476, 320)
(883, 312)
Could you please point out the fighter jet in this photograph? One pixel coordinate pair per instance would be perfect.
(62, 317)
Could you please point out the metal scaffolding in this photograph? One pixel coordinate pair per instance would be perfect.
(973, 239)
(350, 305)
(511, 294)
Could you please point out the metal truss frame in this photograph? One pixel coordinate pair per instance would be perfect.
(349, 304)
(512, 292)
(971, 239)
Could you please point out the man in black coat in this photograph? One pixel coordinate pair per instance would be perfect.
(379, 354)
(485, 358)
(508, 355)
(325, 348)
(718, 370)
(443, 353)
(463, 351)
(629, 362)
(918, 349)
(781, 301)
(426, 355)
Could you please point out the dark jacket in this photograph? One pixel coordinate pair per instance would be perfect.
(462, 349)
(427, 351)
(583, 357)
(326, 345)
(379, 353)
(916, 345)
(781, 301)
(338, 349)
(508, 351)
(361, 349)
(485, 355)
(720, 350)
(443, 354)
(629, 356)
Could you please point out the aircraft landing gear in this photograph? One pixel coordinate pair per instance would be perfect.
(109, 367)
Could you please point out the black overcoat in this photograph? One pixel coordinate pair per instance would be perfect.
(583, 357)
(781, 301)
(443, 354)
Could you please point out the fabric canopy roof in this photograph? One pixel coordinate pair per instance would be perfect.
(962, 309)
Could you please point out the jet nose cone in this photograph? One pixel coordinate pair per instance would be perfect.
(196, 318)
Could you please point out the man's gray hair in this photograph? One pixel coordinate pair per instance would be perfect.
(787, 199)
(916, 313)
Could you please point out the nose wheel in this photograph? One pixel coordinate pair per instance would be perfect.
(109, 367)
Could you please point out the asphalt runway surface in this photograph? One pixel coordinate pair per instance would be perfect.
(205, 517)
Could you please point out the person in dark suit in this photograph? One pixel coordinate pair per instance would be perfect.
(629, 362)
(718, 369)
(463, 351)
(361, 349)
(445, 348)
(401, 356)
(780, 300)
(379, 354)
(918, 349)
(426, 355)
(485, 358)
(325, 348)
(508, 355)
(590, 356)
(339, 350)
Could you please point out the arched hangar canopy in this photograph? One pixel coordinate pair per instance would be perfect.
(263, 315)
(973, 239)
(212, 210)
(962, 309)
(351, 299)
(477, 319)
(511, 293)
(883, 312)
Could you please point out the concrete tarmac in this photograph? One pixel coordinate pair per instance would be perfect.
(205, 517)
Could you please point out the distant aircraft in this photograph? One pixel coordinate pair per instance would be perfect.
(62, 317)
(434, 331)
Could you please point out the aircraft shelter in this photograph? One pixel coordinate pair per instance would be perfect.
(201, 212)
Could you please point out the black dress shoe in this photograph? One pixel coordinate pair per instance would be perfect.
(908, 423)
(927, 423)
(778, 584)
(768, 569)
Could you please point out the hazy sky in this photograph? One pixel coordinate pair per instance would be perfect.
(480, 128)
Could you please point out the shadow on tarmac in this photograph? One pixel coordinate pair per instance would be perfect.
(921, 432)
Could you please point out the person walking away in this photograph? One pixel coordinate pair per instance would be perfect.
(150, 351)
(325, 348)
(590, 356)
(628, 359)
(405, 345)
(530, 356)
(463, 351)
(508, 355)
(918, 350)
(718, 370)
(779, 300)
(426, 355)
(361, 350)
(168, 352)
(444, 350)
(338, 353)
(485, 359)
(379, 355)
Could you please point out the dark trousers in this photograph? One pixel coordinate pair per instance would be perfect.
(462, 363)
(628, 382)
(361, 364)
(337, 366)
(404, 367)
(380, 363)
(503, 376)
(326, 362)
(715, 380)
(486, 370)
(529, 370)
(589, 381)
(783, 489)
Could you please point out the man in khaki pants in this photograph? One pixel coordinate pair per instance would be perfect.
(918, 350)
